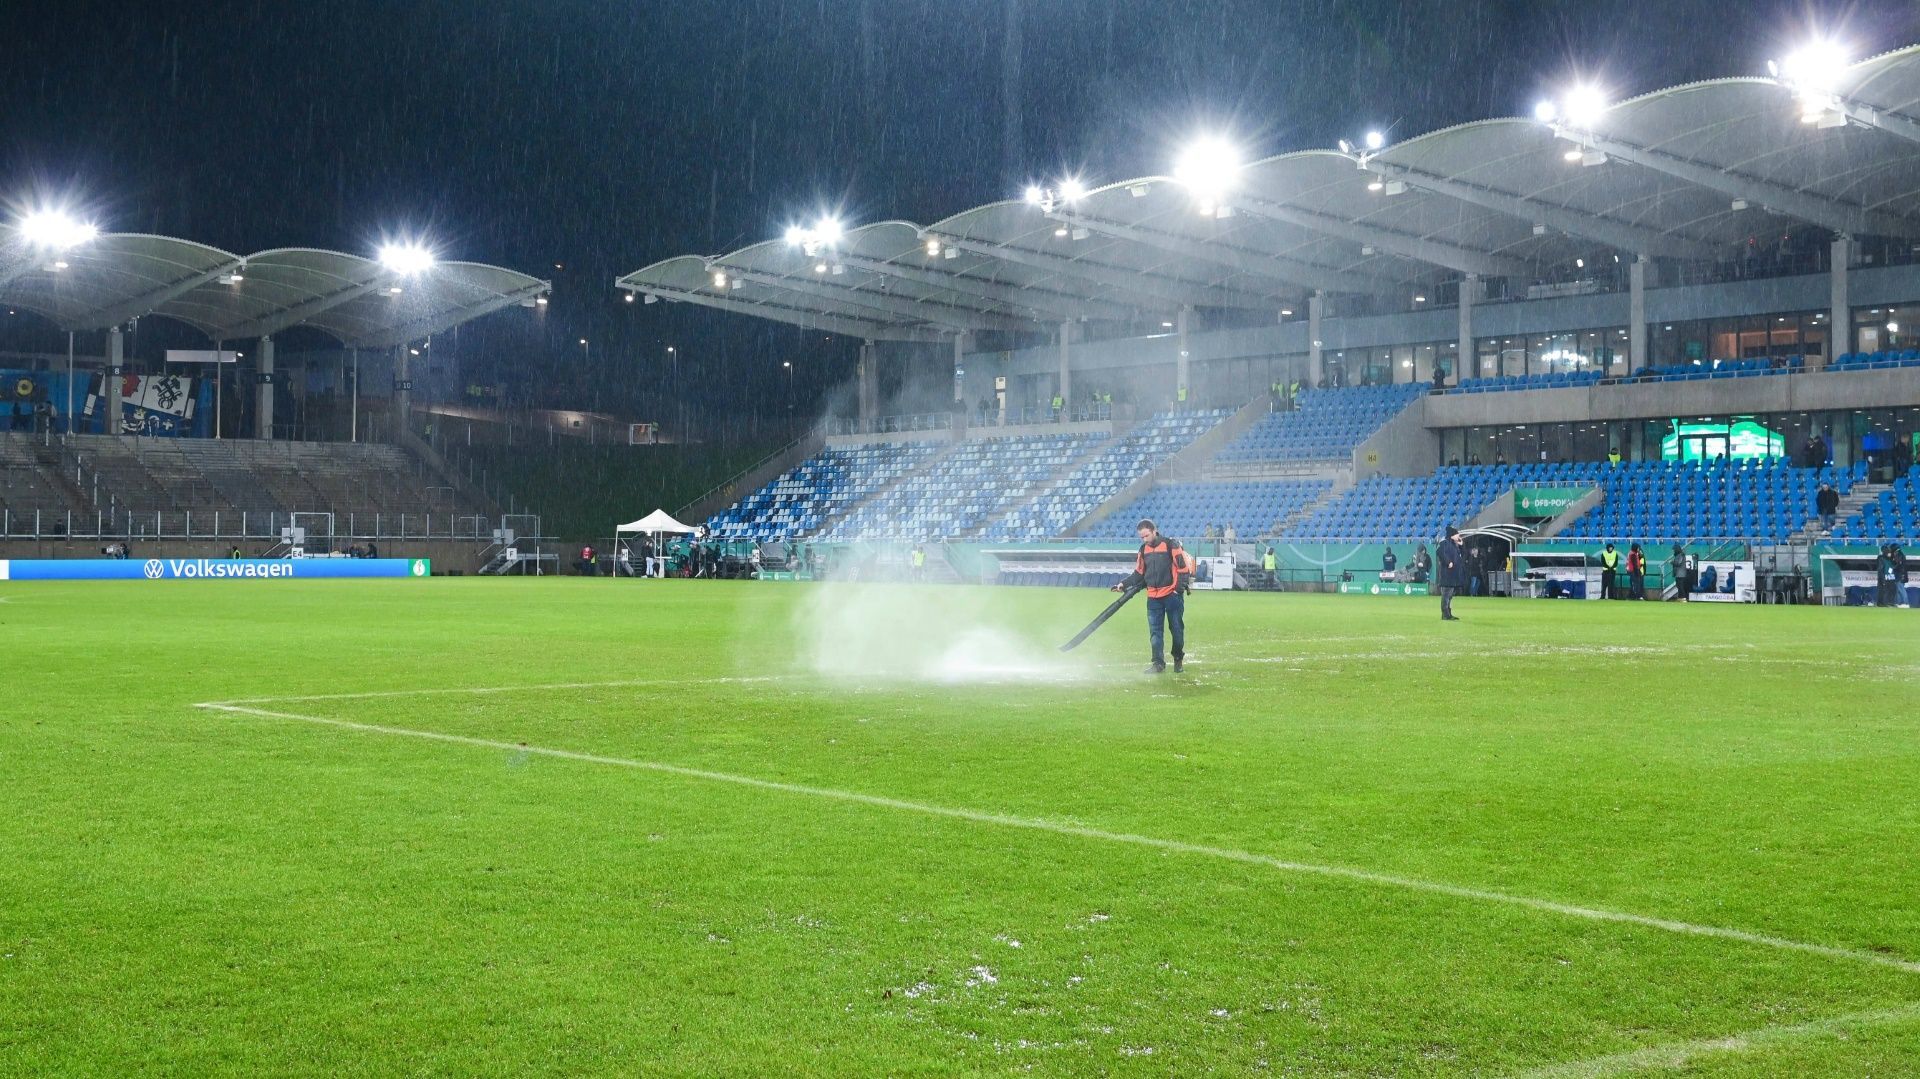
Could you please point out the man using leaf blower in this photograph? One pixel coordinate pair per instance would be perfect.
(1165, 570)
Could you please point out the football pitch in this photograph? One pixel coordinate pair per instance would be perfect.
(572, 827)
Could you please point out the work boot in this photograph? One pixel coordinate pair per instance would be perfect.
(1155, 668)
(1179, 663)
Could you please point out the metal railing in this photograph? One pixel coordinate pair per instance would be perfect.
(244, 525)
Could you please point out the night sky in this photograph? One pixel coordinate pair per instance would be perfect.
(601, 135)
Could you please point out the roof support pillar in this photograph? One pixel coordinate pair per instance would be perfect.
(1840, 336)
(263, 392)
(869, 384)
(402, 392)
(1464, 358)
(1181, 364)
(111, 422)
(1063, 389)
(1316, 311)
(960, 343)
(1637, 313)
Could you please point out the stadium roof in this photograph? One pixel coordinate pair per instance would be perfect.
(115, 277)
(1688, 173)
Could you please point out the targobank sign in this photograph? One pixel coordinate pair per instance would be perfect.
(208, 569)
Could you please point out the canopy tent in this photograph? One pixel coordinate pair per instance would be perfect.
(657, 521)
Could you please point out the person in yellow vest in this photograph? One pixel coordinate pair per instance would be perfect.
(1271, 564)
(1609, 569)
(1613, 456)
(919, 563)
(1180, 396)
(1059, 406)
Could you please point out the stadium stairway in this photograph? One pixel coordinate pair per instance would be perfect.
(1187, 463)
(1851, 503)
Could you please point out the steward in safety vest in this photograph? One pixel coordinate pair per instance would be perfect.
(1165, 570)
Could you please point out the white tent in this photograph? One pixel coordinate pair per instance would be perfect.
(657, 521)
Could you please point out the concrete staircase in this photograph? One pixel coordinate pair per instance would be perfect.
(1850, 503)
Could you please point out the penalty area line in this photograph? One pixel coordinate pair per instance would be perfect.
(482, 690)
(1175, 846)
(1676, 1055)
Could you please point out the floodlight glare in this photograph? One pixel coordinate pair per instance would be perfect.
(55, 229)
(1546, 112)
(1034, 195)
(1208, 167)
(828, 230)
(407, 259)
(1375, 140)
(1814, 67)
(1072, 190)
(1583, 105)
(719, 279)
(796, 235)
(933, 248)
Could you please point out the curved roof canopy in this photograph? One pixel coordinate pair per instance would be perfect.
(116, 277)
(1688, 173)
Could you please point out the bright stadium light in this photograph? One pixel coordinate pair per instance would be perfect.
(406, 259)
(1209, 167)
(56, 230)
(719, 279)
(1035, 195)
(1072, 190)
(1375, 140)
(796, 235)
(933, 248)
(1813, 73)
(1583, 104)
(828, 230)
(1546, 111)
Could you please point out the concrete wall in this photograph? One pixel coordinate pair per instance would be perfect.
(1804, 392)
(1403, 446)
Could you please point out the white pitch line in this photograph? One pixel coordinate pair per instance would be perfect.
(1680, 1054)
(534, 687)
(1036, 824)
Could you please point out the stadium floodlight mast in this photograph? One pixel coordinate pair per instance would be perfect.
(1210, 168)
(818, 242)
(408, 259)
(1579, 107)
(1066, 192)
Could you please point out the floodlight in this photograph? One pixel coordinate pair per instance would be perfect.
(1208, 167)
(542, 300)
(1814, 67)
(1346, 147)
(1546, 112)
(1035, 195)
(56, 230)
(407, 259)
(1893, 327)
(828, 230)
(1061, 232)
(796, 235)
(629, 297)
(1375, 140)
(1583, 105)
(1375, 185)
(1573, 154)
(719, 279)
(394, 290)
(933, 248)
(1072, 190)
(819, 267)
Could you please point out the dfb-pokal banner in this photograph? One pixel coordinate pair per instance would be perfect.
(208, 569)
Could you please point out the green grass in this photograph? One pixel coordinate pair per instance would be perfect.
(191, 891)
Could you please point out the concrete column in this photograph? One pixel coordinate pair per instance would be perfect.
(116, 359)
(1637, 313)
(1065, 386)
(402, 391)
(1840, 338)
(869, 383)
(1183, 323)
(1316, 310)
(1467, 365)
(960, 342)
(263, 393)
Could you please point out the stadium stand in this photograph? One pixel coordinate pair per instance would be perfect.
(1116, 467)
(1503, 383)
(1687, 372)
(824, 486)
(1648, 501)
(955, 494)
(1186, 510)
(1892, 516)
(1328, 425)
(1873, 361)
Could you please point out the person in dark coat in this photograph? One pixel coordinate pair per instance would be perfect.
(1452, 559)
(1827, 505)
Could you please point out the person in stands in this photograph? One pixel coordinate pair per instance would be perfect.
(373, 550)
(1636, 572)
(1422, 565)
(1165, 570)
(1389, 561)
(1609, 571)
(1827, 504)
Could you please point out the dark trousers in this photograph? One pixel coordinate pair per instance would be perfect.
(1167, 613)
(1636, 586)
(1446, 600)
(1606, 584)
